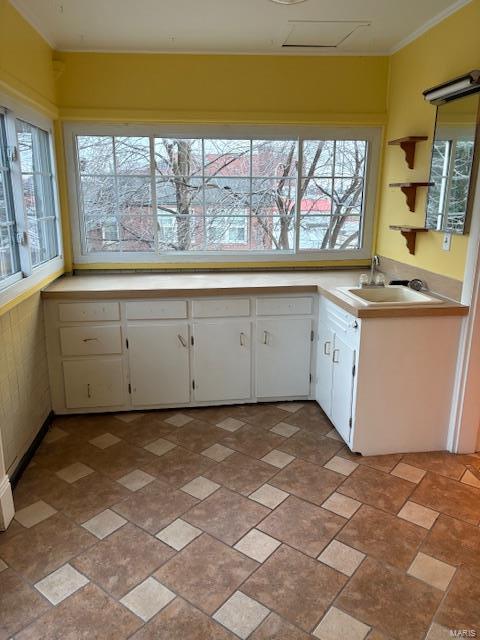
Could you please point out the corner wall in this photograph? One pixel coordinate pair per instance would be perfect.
(26, 74)
(449, 49)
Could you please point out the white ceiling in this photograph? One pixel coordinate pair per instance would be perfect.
(234, 26)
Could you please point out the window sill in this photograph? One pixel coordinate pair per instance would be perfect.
(232, 258)
(22, 289)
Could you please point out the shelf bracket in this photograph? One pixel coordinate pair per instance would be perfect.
(409, 189)
(408, 145)
(410, 235)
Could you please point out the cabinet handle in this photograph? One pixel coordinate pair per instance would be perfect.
(89, 392)
(326, 348)
(265, 337)
(242, 339)
(182, 340)
(335, 359)
(90, 340)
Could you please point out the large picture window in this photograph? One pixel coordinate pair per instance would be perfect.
(29, 234)
(149, 195)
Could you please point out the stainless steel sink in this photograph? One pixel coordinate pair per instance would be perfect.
(390, 295)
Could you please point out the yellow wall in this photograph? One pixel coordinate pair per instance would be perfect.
(26, 68)
(449, 49)
(222, 88)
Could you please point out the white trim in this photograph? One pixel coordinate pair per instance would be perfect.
(429, 24)
(288, 52)
(7, 510)
(29, 276)
(371, 134)
(465, 414)
(8, 294)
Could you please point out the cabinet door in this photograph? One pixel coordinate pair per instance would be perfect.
(283, 352)
(222, 360)
(324, 368)
(159, 363)
(343, 359)
(94, 382)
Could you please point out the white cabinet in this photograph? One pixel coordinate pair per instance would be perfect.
(335, 377)
(283, 355)
(118, 355)
(94, 382)
(386, 382)
(337, 348)
(343, 363)
(324, 367)
(158, 356)
(222, 360)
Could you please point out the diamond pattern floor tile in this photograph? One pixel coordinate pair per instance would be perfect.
(196, 537)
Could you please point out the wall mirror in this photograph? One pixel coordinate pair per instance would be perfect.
(455, 155)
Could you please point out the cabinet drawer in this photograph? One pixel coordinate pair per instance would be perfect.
(220, 308)
(340, 321)
(93, 383)
(156, 309)
(88, 311)
(85, 341)
(284, 306)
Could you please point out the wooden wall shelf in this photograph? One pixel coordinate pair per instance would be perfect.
(409, 189)
(410, 235)
(408, 144)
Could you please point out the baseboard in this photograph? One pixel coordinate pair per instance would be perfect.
(23, 464)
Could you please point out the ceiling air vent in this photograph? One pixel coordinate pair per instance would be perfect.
(321, 34)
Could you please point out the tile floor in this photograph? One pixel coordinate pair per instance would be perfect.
(237, 522)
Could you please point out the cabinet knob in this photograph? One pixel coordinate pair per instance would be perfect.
(335, 356)
(354, 324)
(242, 339)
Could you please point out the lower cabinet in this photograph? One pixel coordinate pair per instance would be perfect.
(336, 362)
(153, 353)
(324, 368)
(158, 355)
(343, 362)
(94, 382)
(283, 356)
(222, 360)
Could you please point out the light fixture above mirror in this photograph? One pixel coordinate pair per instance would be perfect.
(455, 153)
(288, 1)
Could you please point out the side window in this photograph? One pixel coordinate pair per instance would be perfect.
(38, 194)
(9, 259)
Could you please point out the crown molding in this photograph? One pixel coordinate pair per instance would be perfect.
(440, 17)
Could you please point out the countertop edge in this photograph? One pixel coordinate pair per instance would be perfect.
(445, 308)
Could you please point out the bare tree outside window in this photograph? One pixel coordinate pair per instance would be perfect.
(186, 195)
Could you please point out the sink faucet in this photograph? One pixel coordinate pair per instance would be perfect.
(376, 279)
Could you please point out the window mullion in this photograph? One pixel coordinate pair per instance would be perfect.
(298, 204)
(250, 213)
(204, 200)
(20, 211)
(153, 182)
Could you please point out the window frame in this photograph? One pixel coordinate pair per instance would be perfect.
(372, 134)
(28, 275)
